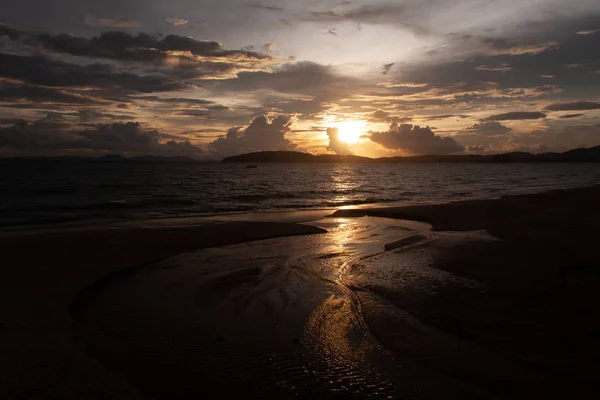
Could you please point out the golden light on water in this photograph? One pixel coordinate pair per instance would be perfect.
(350, 131)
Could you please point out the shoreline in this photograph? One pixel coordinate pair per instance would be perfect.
(291, 215)
(545, 260)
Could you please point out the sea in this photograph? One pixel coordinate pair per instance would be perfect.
(34, 192)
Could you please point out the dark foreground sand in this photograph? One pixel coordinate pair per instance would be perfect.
(540, 305)
(41, 276)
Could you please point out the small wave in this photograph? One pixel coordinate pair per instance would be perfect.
(259, 197)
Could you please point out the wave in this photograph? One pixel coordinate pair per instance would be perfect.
(268, 196)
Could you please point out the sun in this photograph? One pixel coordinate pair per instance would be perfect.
(350, 131)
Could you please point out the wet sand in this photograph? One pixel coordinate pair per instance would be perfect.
(43, 275)
(496, 299)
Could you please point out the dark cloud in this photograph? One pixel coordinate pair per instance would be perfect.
(174, 100)
(12, 34)
(386, 68)
(266, 7)
(39, 94)
(45, 72)
(530, 71)
(335, 144)
(570, 116)
(87, 115)
(141, 47)
(193, 113)
(303, 88)
(379, 115)
(516, 115)
(444, 116)
(301, 78)
(51, 135)
(415, 140)
(261, 135)
(576, 106)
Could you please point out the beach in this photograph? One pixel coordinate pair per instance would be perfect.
(476, 299)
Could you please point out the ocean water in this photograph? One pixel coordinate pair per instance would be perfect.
(41, 192)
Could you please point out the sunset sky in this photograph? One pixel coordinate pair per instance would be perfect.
(209, 79)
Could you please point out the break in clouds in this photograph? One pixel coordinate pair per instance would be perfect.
(336, 144)
(210, 81)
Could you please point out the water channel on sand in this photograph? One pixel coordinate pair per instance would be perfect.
(296, 317)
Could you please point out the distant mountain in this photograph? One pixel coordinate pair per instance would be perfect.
(578, 155)
(293, 157)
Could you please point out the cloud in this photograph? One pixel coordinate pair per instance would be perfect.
(11, 33)
(141, 47)
(52, 135)
(494, 46)
(115, 22)
(390, 85)
(287, 23)
(266, 7)
(444, 116)
(576, 106)
(588, 32)
(261, 135)
(23, 94)
(571, 116)
(303, 88)
(379, 115)
(516, 115)
(386, 68)
(268, 47)
(415, 140)
(489, 128)
(45, 72)
(335, 144)
(530, 73)
(90, 115)
(560, 138)
(177, 21)
(501, 68)
(502, 46)
(181, 101)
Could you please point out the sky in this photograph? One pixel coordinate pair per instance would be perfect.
(209, 79)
